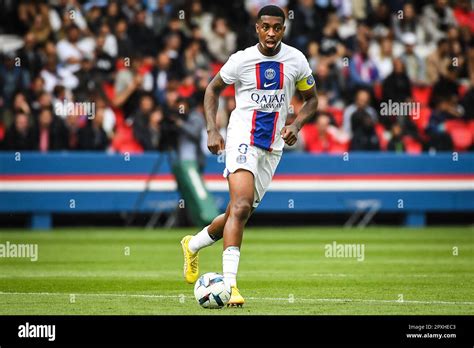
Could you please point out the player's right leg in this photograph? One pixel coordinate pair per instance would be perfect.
(192, 244)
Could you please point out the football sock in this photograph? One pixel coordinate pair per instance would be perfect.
(230, 264)
(200, 240)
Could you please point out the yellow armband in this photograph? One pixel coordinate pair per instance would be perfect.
(305, 84)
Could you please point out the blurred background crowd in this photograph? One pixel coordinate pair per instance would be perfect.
(145, 64)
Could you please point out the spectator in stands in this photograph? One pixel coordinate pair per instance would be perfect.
(73, 124)
(130, 8)
(194, 60)
(407, 22)
(445, 109)
(145, 107)
(380, 19)
(88, 80)
(92, 137)
(13, 77)
(173, 46)
(189, 130)
(71, 51)
(20, 135)
(437, 63)
(129, 86)
(148, 131)
(363, 130)
(221, 41)
(437, 18)
(142, 37)
(51, 133)
(397, 86)
(54, 74)
(331, 43)
(321, 135)
(361, 103)
(328, 83)
(414, 65)
(383, 59)
(113, 13)
(29, 57)
(396, 139)
(104, 63)
(307, 24)
(446, 87)
(37, 87)
(362, 69)
(41, 29)
(124, 43)
(313, 56)
(20, 105)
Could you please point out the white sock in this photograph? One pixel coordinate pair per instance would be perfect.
(230, 264)
(200, 240)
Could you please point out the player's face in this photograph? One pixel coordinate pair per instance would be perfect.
(270, 31)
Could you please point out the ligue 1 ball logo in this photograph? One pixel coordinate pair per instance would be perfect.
(270, 74)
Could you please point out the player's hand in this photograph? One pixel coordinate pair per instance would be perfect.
(215, 142)
(289, 134)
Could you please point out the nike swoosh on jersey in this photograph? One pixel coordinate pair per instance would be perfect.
(265, 84)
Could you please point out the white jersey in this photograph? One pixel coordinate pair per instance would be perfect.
(264, 87)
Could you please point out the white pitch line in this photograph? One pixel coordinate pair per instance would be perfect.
(279, 299)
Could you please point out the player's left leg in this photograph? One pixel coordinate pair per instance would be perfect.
(241, 189)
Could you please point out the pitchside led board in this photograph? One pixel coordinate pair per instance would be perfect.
(43, 184)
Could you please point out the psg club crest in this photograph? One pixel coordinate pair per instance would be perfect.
(270, 74)
(241, 159)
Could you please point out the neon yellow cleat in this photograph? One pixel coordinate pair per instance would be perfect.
(191, 261)
(236, 299)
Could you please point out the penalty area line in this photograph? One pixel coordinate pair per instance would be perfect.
(273, 299)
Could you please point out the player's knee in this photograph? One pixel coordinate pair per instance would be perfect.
(241, 209)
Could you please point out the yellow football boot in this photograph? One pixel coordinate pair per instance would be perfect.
(191, 261)
(236, 299)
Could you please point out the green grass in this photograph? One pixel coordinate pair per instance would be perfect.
(282, 271)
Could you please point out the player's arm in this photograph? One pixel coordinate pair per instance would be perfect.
(290, 133)
(215, 142)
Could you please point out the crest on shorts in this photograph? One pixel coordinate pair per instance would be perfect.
(241, 159)
(270, 74)
(243, 148)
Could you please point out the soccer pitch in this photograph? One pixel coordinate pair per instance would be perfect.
(283, 271)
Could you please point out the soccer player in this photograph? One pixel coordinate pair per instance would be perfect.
(265, 78)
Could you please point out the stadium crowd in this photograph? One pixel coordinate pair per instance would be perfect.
(143, 66)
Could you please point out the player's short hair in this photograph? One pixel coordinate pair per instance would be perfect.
(271, 10)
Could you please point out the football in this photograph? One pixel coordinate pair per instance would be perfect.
(211, 291)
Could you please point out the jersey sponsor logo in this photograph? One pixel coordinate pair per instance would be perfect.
(269, 101)
(269, 75)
